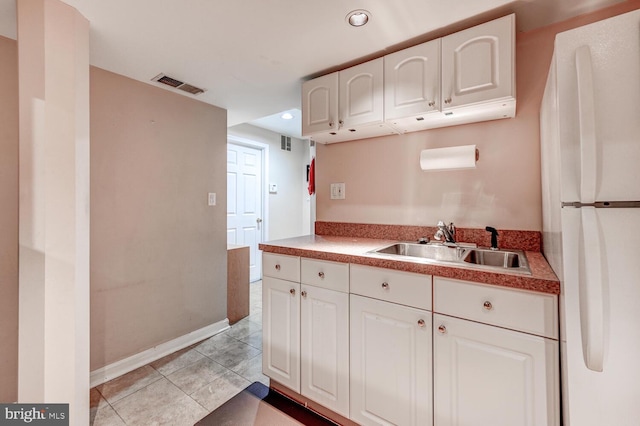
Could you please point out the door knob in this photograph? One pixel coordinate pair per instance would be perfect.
(292, 291)
(442, 329)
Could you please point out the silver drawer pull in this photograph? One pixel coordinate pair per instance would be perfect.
(487, 305)
(321, 275)
(292, 291)
(385, 285)
(303, 294)
(442, 329)
(277, 266)
(421, 323)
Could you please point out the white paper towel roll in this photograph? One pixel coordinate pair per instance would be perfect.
(453, 158)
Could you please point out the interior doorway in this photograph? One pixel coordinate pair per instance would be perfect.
(246, 200)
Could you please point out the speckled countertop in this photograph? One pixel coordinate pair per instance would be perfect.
(350, 249)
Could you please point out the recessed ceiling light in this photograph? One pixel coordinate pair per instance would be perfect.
(358, 18)
(286, 116)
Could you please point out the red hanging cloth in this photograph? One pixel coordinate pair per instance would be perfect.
(312, 177)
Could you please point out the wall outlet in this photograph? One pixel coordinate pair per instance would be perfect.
(338, 191)
(273, 188)
(212, 199)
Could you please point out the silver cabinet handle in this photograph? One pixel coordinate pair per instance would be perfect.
(321, 275)
(292, 291)
(447, 101)
(421, 323)
(277, 267)
(331, 123)
(487, 305)
(385, 285)
(259, 220)
(303, 294)
(432, 104)
(442, 329)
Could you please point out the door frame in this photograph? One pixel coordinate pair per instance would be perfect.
(237, 140)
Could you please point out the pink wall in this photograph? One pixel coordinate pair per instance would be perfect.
(8, 220)
(384, 183)
(158, 251)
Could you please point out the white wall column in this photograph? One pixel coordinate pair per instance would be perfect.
(53, 58)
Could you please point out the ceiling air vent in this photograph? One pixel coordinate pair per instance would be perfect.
(164, 79)
(285, 143)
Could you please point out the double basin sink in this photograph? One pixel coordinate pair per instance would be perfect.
(474, 257)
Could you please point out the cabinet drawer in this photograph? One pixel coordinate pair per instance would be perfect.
(326, 274)
(394, 286)
(281, 266)
(521, 310)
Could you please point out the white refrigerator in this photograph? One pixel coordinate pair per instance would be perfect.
(590, 153)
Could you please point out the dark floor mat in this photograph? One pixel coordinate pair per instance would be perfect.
(259, 405)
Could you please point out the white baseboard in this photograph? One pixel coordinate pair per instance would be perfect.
(126, 365)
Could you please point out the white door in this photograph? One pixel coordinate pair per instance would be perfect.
(244, 202)
(601, 301)
(477, 63)
(598, 81)
(281, 331)
(324, 347)
(486, 375)
(390, 363)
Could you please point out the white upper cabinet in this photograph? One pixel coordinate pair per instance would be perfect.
(345, 105)
(465, 77)
(478, 66)
(412, 85)
(320, 104)
(360, 94)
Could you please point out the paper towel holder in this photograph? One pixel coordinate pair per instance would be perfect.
(450, 158)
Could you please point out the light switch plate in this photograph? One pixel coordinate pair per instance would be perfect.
(338, 191)
(212, 199)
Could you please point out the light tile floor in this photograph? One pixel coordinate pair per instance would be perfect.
(185, 386)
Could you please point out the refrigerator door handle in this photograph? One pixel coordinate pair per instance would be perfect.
(587, 119)
(592, 287)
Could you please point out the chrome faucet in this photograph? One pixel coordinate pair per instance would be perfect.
(448, 232)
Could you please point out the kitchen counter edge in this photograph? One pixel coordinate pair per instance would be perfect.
(354, 250)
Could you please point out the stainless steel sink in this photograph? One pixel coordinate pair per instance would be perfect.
(424, 251)
(497, 259)
(481, 258)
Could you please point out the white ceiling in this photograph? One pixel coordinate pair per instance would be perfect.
(252, 55)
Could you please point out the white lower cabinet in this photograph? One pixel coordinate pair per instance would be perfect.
(490, 375)
(391, 369)
(281, 331)
(324, 347)
(305, 330)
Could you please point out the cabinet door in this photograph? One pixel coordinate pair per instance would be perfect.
(412, 82)
(390, 363)
(281, 331)
(320, 104)
(324, 347)
(478, 64)
(361, 95)
(485, 375)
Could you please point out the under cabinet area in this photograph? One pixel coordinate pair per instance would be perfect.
(391, 376)
(324, 334)
(381, 346)
(485, 374)
(306, 328)
(281, 319)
